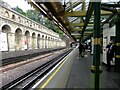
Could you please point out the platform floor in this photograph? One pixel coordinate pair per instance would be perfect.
(80, 73)
(76, 73)
(80, 76)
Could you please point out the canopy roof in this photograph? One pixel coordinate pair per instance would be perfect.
(75, 18)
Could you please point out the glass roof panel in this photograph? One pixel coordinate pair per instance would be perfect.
(77, 21)
(72, 18)
(77, 8)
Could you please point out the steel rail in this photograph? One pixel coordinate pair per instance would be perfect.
(41, 71)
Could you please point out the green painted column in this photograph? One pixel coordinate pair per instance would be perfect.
(117, 52)
(95, 68)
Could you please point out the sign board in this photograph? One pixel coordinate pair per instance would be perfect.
(3, 42)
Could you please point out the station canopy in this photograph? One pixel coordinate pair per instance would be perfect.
(76, 17)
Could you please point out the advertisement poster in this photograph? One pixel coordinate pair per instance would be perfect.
(3, 42)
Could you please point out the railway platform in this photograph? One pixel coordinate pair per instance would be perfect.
(75, 72)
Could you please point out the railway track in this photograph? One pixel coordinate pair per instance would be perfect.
(26, 81)
(25, 57)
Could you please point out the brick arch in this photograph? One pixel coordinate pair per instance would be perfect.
(27, 40)
(33, 40)
(6, 28)
(18, 39)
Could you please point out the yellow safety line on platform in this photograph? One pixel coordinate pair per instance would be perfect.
(45, 84)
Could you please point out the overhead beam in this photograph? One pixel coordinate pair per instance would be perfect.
(75, 14)
(110, 5)
(75, 34)
(108, 9)
(102, 12)
(79, 29)
(88, 32)
(83, 13)
(83, 6)
(88, 16)
(79, 24)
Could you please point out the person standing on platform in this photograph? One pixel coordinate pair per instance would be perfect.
(80, 50)
(110, 54)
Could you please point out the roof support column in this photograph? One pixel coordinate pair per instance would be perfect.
(95, 69)
(117, 52)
